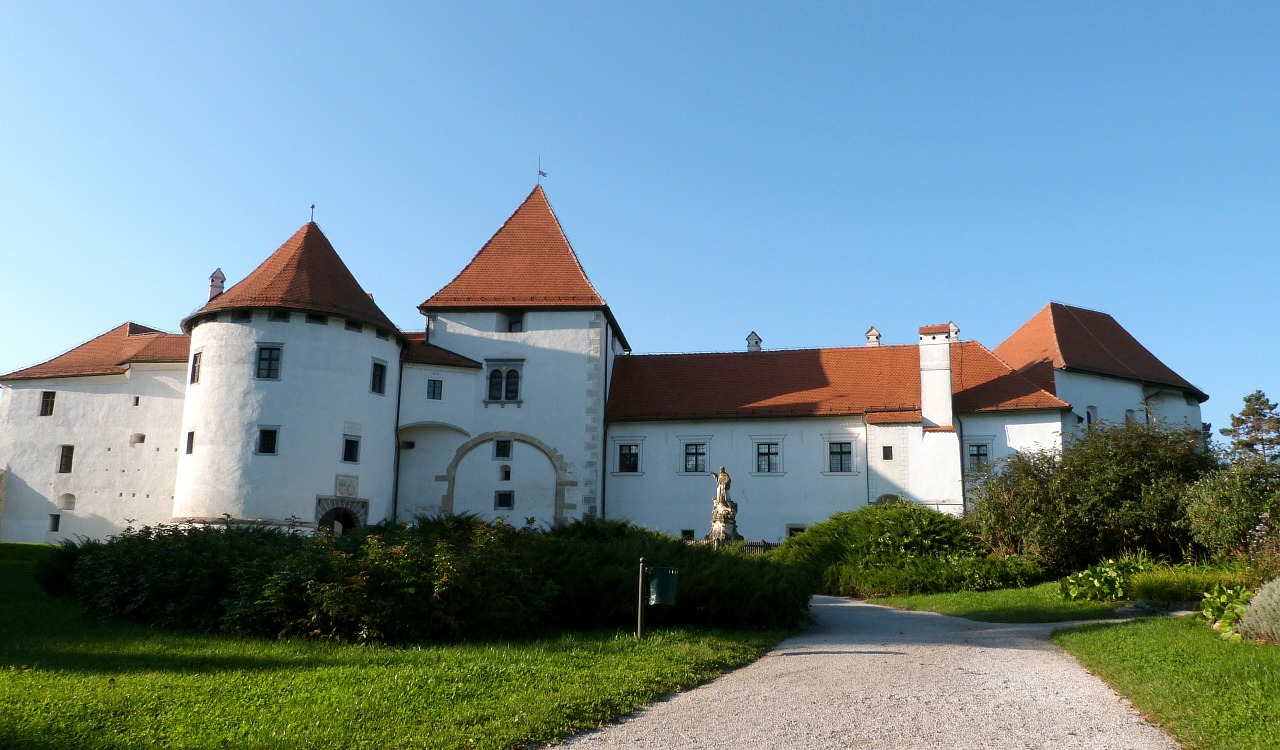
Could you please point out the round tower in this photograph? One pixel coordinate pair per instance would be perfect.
(290, 409)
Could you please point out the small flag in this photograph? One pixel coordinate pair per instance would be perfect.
(541, 173)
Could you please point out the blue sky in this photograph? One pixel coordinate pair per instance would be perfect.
(803, 170)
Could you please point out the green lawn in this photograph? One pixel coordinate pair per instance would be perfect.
(1206, 692)
(68, 682)
(1035, 604)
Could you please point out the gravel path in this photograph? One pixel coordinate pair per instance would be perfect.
(871, 677)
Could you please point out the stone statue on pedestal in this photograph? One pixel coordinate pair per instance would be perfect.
(724, 512)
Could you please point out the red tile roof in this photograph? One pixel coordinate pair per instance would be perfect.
(305, 273)
(111, 354)
(1072, 338)
(528, 263)
(935, 329)
(882, 382)
(420, 352)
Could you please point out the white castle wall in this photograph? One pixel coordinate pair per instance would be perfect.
(115, 482)
(1115, 398)
(662, 496)
(323, 393)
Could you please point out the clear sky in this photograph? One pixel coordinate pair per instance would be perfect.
(803, 170)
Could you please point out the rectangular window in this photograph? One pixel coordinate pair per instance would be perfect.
(268, 438)
(278, 316)
(515, 322)
(886, 453)
(378, 381)
(55, 523)
(137, 400)
(318, 319)
(502, 449)
(978, 457)
(686, 534)
(435, 389)
(66, 455)
(504, 500)
(268, 363)
(242, 316)
(195, 368)
(191, 441)
(381, 334)
(840, 457)
(354, 325)
(628, 459)
(46, 402)
(695, 458)
(767, 458)
(351, 449)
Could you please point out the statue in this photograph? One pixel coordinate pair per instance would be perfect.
(724, 512)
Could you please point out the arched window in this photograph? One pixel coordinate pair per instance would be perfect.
(513, 385)
(504, 381)
(67, 502)
(495, 385)
(137, 438)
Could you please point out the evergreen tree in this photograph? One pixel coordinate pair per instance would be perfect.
(1256, 429)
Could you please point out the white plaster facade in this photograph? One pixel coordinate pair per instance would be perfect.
(558, 445)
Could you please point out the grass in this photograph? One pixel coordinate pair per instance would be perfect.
(1035, 604)
(1206, 692)
(70, 682)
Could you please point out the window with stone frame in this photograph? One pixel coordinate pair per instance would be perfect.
(628, 458)
(269, 358)
(840, 456)
(978, 456)
(695, 458)
(768, 458)
(46, 403)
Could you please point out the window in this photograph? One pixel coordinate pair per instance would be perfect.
(268, 441)
(978, 456)
(278, 316)
(137, 400)
(242, 316)
(354, 325)
(686, 534)
(269, 362)
(191, 441)
(886, 453)
(67, 502)
(351, 449)
(378, 381)
(66, 455)
(137, 438)
(55, 523)
(46, 402)
(628, 458)
(1090, 416)
(318, 319)
(381, 334)
(840, 457)
(408, 445)
(514, 321)
(435, 389)
(502, 449)
(504, 382)
(504, 500)
(195, 368)
(768, 458)
(504, 474)
(695, 458)
(794, 528)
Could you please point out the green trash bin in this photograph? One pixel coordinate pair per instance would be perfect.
(662, 585)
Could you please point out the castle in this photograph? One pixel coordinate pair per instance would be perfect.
(290, 398)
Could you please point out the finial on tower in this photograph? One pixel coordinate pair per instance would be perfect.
(541, 174)
(313, 213)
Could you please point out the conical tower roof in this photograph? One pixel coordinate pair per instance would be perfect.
(527, 263)
(304, 274)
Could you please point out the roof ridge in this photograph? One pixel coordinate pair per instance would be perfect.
(1097, 339)
(850, 347)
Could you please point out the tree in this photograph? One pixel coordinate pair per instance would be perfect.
(1256, 429)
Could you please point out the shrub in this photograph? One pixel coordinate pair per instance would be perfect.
(1224, 605)
(1116, 488)
(1181, 584)
(1262, 561)
(1107, 581)
(930, 575)
(1261, 620)
(1224, 506)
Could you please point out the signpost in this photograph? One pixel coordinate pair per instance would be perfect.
(657, 586)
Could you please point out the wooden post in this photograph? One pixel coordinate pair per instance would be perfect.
(640, 604)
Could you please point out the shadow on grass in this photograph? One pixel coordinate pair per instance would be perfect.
(51, 657)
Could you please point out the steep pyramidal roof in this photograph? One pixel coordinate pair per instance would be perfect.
(305, 273)
(111, 354)
(528, 263)
(1062, 337)
(882, 382)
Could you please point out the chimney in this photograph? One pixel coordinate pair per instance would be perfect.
(935, 373)
(215, 283)
(753, 342)
(873, 336)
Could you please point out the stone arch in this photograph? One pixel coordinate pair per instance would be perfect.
(557, 462)
(429, 423)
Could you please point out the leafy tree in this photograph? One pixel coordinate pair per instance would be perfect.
(1256, 429)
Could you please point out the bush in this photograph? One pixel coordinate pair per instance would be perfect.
(1224, 506)
(1181, 584)
(1223, 607)
(1116, 488)
(931, 575)
(1107, 581)
(1261, 620)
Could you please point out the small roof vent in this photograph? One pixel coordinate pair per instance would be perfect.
(753, 342)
